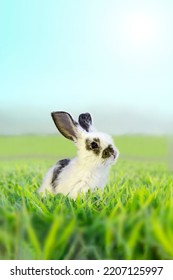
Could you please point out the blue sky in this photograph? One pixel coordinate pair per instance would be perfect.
(111, 58)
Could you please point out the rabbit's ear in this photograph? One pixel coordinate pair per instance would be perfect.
(65, 124)
(85, 121)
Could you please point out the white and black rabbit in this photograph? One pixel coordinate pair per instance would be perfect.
(89, 169)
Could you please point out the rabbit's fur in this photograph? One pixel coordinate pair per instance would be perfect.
(95, 154)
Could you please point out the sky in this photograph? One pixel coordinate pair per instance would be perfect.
(112, 58)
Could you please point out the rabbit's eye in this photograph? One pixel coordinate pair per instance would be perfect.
(94, 145)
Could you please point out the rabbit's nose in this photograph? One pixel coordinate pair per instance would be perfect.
(115, 154)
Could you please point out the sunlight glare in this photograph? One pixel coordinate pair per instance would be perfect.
(140, 29)
(132, 33)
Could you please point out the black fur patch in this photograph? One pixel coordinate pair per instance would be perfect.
(93, 145)
(85, 121)
(58, 168)
(108, 152)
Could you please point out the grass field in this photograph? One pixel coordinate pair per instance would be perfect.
(131, 219)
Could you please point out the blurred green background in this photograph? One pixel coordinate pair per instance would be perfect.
(151, 147)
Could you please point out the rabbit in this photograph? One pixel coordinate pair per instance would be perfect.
(89, 169)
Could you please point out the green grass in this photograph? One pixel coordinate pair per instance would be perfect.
(131, 219)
